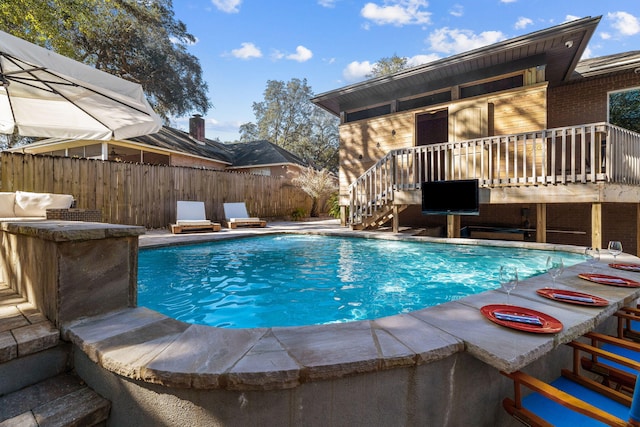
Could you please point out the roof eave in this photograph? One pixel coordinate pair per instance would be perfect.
(330, 100)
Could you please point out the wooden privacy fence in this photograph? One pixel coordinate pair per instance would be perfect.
(146, 195)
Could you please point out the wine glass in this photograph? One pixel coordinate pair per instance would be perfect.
(508, 279)
(593, 256)
(555, 266)
(615, 248)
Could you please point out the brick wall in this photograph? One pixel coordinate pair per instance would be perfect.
(619, 221)
(585, 101)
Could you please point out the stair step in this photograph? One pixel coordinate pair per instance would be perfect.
(63, 400)
(23, 329)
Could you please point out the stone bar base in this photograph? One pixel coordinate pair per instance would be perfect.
(70, 270)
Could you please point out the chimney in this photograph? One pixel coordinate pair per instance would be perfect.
(196, 127)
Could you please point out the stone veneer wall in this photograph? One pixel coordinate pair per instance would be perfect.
(70, 270)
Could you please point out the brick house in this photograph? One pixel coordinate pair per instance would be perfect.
(523, 117)
(173, 147)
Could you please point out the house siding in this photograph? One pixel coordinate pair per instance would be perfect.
(364, 142)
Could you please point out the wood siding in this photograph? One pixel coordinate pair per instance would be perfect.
(146, 195)
(364, 142)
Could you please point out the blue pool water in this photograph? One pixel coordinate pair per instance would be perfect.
(294, 280)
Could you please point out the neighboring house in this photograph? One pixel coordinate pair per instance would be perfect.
(523, 116)
(264, 158)
(178, 148)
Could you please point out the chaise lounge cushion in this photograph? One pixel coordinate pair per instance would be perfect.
(7, 200)
(36, 204)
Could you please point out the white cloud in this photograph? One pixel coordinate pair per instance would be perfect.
(422, 59)
(457, 10)
(302, 54)
(225, 126)
(327, 3)
(624, 23)
(276, 55)
(449, 41)
(357, 71)
(229, 6)
(508, 1)
(522, 22)
(247, 51)
(397, 12)
(605, 36)
(570, 18)
(588, 53)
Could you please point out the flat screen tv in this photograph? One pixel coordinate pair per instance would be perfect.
(458, 197)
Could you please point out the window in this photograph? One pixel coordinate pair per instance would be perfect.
(492, 86)
(624, 109)
(368, 113)
(423, 101)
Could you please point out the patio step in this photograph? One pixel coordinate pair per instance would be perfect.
(37, 388)
(30, 346)
(63, 400)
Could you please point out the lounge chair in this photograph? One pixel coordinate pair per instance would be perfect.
(629, 323)
(235, 215)
(190, 217)
(613, 374)
(574, 399)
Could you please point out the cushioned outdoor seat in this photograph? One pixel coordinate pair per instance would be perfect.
(235, 215)
(190, 217)
(574, 399)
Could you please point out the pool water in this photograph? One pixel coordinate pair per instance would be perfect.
(295, 280)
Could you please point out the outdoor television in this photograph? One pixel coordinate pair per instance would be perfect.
(458, 197)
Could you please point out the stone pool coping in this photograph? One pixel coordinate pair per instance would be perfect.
(141, 344)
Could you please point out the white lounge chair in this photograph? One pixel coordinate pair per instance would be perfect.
(191, 216)
(235, 215)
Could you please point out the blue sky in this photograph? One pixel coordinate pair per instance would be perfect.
(241, 44)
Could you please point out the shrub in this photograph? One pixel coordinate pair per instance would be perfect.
(298, 214)
(334, 205)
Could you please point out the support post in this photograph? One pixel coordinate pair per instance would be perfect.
(637, 229)
(453, 226)
(396, 219)
(541, 223)
(343, 215)
(596, 225)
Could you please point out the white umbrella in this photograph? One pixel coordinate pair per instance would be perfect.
(45, 94)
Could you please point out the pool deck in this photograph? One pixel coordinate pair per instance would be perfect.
(141, 344)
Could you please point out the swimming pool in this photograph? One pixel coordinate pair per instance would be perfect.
(295, 280)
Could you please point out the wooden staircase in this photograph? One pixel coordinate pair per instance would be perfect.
(37, 386)
(379, 217)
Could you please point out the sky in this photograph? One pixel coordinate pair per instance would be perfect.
(242, 44)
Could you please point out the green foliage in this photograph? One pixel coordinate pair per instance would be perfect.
(624, 109)
(140, 41)
(298, 214)
(334, 205)
(287, 118)
(390, 65)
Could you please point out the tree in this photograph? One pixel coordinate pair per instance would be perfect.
(288, 118)
(140, 41)
(390, 65)
(317, 184)
(624, 109)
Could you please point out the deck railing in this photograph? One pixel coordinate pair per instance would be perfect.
(575, 154)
